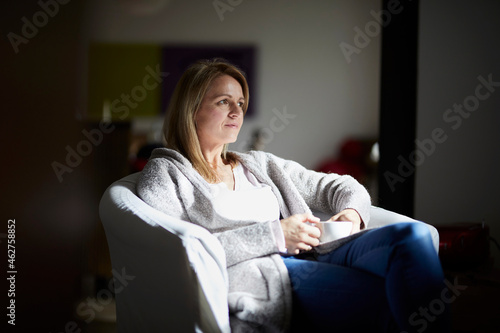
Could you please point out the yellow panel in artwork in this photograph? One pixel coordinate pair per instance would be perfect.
(124, 81)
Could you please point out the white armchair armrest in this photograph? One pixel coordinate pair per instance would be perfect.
(380, 217)
(161, 253)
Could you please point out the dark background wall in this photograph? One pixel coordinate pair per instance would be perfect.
(56, 220)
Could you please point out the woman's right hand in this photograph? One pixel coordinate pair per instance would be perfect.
(299, 235)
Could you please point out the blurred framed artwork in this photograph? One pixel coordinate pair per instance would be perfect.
(137, 80)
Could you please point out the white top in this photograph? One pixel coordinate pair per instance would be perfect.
(250, 201)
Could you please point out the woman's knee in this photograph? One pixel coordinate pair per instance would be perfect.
(411, 231)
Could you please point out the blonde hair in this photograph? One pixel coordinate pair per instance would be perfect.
(179, 128)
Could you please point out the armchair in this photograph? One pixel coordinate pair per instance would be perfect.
(176, 271)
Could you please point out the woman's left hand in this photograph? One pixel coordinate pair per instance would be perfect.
(350, 215)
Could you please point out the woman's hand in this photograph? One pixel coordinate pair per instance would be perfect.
(350, 215)
(299, 235)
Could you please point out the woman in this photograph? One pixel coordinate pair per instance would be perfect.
(259, 207)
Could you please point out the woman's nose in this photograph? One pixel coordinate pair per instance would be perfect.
(236, 111)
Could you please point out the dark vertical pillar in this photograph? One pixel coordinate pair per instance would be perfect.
(398, 105)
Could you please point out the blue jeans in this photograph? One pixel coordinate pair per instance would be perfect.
(386, 280)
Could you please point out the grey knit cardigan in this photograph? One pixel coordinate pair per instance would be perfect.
(259, 286)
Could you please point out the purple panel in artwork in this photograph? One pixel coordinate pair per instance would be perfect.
(175, 60)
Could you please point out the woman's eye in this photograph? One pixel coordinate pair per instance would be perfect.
(240, 104)
(223, 102)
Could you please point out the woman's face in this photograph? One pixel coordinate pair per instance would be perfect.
(219, 119)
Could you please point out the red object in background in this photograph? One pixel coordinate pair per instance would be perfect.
(351, 160)
(139, 162)
(463, 245)
(342, 167)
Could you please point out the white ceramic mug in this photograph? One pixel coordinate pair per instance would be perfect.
(333, 230)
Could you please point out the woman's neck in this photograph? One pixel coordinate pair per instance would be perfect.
(213, 157)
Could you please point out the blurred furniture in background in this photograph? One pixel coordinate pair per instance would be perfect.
(464, 245)
(356, 157)
(464, 250)
(138, 162)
